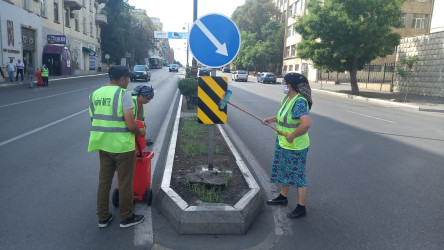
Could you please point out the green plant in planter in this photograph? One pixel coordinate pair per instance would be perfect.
(188, 88)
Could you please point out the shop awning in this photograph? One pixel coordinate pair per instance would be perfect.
(53, 49)
(88, 50)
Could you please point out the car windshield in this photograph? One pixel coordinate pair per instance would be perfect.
(173, 65)
(270, 74)
(242, 72)
(139, 68)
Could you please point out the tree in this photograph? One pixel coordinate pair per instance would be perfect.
(116, 35)
(143, 37)
(339, 35)
(404, 69)
(262, 35)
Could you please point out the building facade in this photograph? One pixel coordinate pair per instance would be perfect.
(62, 34)
(416, 20)
(427, 77)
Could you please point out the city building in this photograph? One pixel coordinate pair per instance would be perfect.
(63, 34)
(416, 19)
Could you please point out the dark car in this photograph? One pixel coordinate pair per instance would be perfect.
(265, 77)
(203, 71)
(226, 69)
(174, 67)
(140, 72)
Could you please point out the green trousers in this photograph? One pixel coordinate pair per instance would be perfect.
(125, 164)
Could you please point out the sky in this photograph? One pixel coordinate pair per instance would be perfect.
(175, 14)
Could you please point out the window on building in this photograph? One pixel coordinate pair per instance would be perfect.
(287, 54)
(296, 67)
(285, 68)
(67, 13)
(84, 24)
(56, 11)
(293, 50)
(420, 21)
(403, 16)
(91, 28)
(289, 30)
(43, 7)
(76, 21)
(290, 68)
(27, 4)
(290, 10)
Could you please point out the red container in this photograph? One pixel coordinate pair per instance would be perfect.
(140, 139)
(141, 182)
(142, 177)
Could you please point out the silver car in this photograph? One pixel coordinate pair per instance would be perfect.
(239, 75)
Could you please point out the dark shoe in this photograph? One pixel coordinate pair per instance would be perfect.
(149, 142)
(280, 200)
(104, 223)
(298, 212)
(134, 220)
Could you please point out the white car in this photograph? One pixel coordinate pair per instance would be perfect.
(239, 75)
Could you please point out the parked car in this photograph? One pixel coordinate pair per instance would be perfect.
(265, 77)
(203, 71)
(140, 72)
(174, 67)
(239, 75)
(226, 69)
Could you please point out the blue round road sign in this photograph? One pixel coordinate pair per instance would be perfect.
(214, 40)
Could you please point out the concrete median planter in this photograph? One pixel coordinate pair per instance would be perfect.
(209, 218)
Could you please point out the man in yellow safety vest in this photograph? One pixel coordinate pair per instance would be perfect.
(112, 134)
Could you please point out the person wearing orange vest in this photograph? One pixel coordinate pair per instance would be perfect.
(291, 150)
(113, 130)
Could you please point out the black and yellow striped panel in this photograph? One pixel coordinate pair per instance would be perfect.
(211, 91)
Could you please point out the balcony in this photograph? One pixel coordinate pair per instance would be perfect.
(101, 19)
(73, 4)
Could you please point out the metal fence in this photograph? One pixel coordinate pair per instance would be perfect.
(372, 73)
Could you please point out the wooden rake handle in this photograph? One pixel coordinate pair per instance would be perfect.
(257, 118)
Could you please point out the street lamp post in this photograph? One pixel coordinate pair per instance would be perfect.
(188, 33)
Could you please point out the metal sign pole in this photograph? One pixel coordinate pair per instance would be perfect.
(211, 136)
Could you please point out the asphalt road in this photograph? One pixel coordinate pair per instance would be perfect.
(374, 173)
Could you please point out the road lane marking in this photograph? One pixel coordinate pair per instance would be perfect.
(281, 221)
(143, 233)
(41, 128)
(370, 116)
(41, 98)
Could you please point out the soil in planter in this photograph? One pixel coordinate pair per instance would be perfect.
(223, 160)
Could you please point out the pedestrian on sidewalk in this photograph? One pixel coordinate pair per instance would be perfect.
(290, 155)
(99, 68)
(30, 75)
(112, 134)
(142, 94)
(45, 75)
(11, 68)
(39, 77)
(20, 66)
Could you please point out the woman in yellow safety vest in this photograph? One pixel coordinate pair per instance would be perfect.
(291, 150)
(142, 94)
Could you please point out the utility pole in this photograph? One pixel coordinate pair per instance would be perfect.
(194, 62)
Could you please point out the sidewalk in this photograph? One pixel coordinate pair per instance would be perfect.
(7, 83)
(414, 101)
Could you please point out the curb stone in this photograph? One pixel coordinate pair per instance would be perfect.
(209, 218)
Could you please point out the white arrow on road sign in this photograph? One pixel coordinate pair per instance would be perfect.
(214, 40)
(221, 48)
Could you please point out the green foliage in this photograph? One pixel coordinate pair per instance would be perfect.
(188, 88)
(126, 32)
(339, 35)
(262, 36)
(191, 128)
(193, 148)
(209, 194)
(404, 69)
